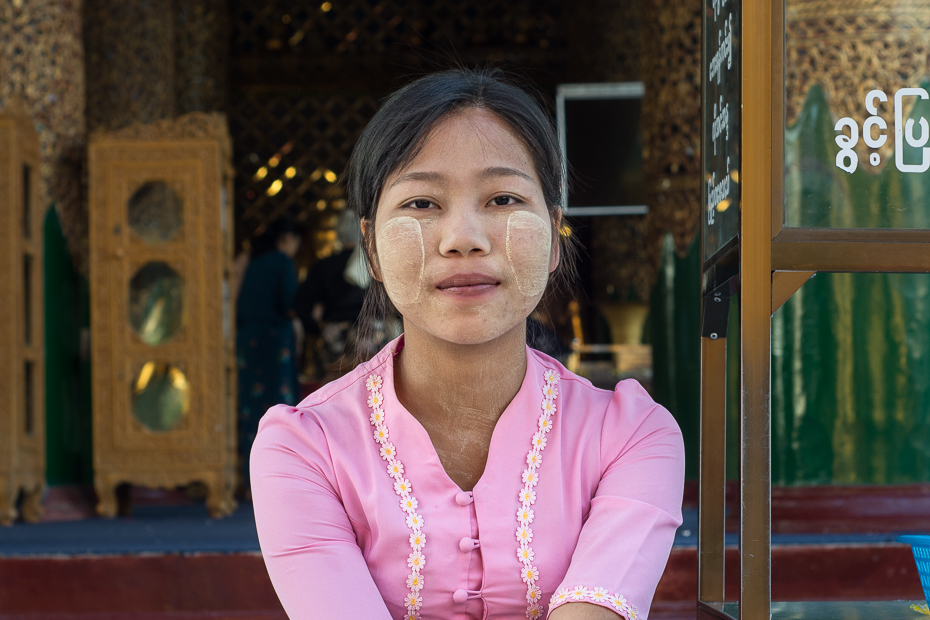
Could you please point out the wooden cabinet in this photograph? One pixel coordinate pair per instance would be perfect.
(162, 344)
(22, 351)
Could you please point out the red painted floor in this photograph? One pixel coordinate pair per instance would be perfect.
(202, 586)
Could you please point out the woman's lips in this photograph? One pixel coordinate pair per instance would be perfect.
(468, 284)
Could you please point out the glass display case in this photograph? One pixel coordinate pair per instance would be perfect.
(22, 363)
(163, 347)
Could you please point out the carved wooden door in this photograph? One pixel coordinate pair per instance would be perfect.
(160, 323)
(22, 352)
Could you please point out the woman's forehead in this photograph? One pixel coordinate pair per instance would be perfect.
(473, 141)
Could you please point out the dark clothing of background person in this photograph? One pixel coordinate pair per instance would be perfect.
(265, 343)
(326, 284)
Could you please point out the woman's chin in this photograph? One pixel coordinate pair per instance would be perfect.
(471, 333)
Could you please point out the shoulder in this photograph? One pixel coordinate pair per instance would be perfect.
(622, 413)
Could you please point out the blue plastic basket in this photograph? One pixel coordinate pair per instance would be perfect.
(920, 545)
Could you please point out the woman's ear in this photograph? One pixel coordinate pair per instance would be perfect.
(555, 252)
(371, 251)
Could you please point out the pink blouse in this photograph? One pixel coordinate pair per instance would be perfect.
(579, 501)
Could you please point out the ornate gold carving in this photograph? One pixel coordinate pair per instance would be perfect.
(130, 62)
(42, 61)
(22, 363)
(201, 43)
(849, 48)
(191, 156)
(672, 123)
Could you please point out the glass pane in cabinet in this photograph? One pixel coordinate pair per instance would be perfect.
(857, 113)
(155, 212)
(160, 396)
(156, 303)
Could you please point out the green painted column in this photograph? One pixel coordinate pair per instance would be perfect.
(67, 371)
(675, 324)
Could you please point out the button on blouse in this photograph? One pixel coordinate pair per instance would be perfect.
(579, 502)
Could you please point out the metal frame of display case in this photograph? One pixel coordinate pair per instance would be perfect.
(768, 263)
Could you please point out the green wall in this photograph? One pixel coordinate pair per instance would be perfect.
(675, 325)
(67, 374)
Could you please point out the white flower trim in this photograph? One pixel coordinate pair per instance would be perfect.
(594, 595)
(529, 573)
(408, 503)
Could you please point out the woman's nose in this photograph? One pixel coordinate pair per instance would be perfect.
(464, 233)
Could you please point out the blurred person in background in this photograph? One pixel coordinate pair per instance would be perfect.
(330, 299)
(266, 338)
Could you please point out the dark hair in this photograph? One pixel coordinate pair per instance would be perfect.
(395, 136)
(267, 241)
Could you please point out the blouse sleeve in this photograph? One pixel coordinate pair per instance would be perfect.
(625, 542)
(307, 541)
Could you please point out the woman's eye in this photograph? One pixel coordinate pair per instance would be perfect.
(501, 201)
(420, 204)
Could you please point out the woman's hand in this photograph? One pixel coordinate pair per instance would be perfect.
(583, 611)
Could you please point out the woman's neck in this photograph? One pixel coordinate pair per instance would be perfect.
(443, 381)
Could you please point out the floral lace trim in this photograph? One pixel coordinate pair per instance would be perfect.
(408, 503)
(525, 554)
(594, 595)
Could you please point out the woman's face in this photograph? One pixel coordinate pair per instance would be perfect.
(463, 238)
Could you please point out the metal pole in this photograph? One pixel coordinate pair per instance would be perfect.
(755, 313)
(712, 493)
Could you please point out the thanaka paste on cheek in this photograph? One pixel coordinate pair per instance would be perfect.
(402, 258)
(529, 239)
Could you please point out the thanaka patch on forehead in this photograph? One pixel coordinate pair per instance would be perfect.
(529, 241)
(402, 259)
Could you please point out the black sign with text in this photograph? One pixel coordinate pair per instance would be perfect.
(721, 110)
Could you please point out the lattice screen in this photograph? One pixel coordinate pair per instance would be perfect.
(290, 153)
(375, 26)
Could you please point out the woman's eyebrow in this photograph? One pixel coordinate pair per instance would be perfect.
(503, 171)
(432, 177)
(437, 177)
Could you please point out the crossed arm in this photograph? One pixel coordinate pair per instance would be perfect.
(583, 611)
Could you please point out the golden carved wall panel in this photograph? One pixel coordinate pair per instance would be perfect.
(849, 48)
(201, 49)
(42, 62)
(657, 43)
(22, 351)
(672, 121)
(161, 319)
(130, 62)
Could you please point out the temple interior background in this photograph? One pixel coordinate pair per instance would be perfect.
(296, 82)
(117, 356)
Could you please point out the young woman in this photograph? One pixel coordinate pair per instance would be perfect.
(460, 474)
